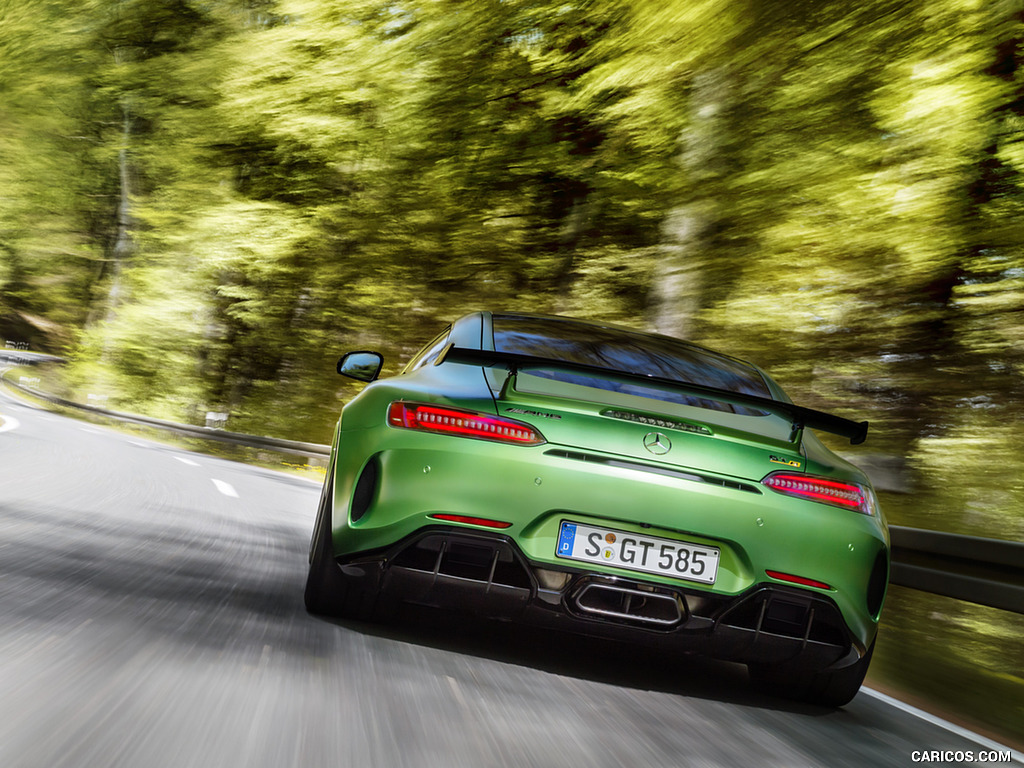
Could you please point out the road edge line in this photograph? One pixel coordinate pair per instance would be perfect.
(953, 728)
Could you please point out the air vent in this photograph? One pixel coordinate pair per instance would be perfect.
(877, 583)
(366, 488)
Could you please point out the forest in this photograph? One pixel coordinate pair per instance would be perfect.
(203, 203)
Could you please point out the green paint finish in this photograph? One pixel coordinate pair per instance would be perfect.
(595, 469)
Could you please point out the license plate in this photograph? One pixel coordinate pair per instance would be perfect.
(636, 552)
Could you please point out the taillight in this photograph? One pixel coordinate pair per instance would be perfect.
(823, 490)
(455, 421)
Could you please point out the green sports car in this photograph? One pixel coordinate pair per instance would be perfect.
(610, 482)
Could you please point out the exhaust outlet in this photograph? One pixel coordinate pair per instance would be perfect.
(662, 609)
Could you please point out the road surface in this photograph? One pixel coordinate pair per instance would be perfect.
(151, 604)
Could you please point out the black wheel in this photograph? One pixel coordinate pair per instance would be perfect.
(830, 688)
(328, 591)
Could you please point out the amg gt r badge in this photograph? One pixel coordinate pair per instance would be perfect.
(785, 462)
(527, 412)
(657, 443)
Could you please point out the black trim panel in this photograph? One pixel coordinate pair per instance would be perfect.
(486, 574)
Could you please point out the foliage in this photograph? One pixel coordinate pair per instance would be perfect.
(830, 191)
(206, 201)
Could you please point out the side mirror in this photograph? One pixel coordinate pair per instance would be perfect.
(363, 366)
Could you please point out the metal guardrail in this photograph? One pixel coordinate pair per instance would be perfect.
(978, 570)
(25, 357)
(291, 447)
(984, 571)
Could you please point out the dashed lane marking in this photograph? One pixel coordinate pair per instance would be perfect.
(226, 488)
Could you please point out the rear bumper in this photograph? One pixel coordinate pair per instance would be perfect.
(487, 574)
(533, 489)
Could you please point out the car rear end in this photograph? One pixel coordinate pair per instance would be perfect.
(615, 507)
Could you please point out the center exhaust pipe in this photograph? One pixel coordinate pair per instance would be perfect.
(662, 609)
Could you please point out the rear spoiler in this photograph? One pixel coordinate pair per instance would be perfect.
(800, 417)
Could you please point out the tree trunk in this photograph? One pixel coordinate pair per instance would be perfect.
(124, 245)
(687, 229)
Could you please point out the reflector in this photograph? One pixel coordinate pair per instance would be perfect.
(471, 520)
(798, 580)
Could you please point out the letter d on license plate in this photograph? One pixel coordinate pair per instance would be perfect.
(637, 552)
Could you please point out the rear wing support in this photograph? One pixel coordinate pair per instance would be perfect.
(800, 417)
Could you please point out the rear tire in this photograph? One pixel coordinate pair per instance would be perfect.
(839, 686)
(829, 688)
(328, 591)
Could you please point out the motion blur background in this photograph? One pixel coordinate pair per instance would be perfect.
(203, 203)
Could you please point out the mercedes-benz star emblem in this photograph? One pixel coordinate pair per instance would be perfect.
(657, 443)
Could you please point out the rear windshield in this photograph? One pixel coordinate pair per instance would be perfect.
(631, 352)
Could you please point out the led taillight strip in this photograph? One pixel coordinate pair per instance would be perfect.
(821, 489)
(460, 423)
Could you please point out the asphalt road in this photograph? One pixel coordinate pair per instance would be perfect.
(151, 615)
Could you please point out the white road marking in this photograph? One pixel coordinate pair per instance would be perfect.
(91, 431)
(191, 463)
(951, 727)
(138, 444)
(8, 423)
(226, 488)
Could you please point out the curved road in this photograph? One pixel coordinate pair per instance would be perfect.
(152, 616)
